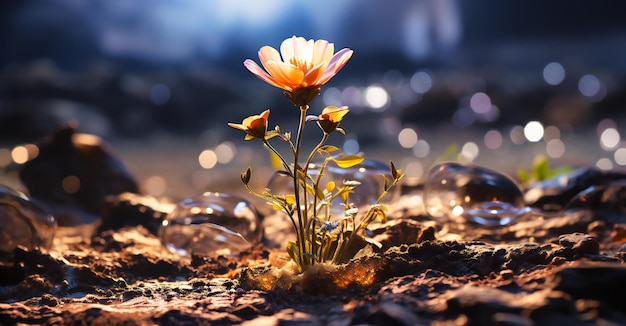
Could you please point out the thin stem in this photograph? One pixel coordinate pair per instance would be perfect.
(315, 187)
(296, 184)
(282, 159)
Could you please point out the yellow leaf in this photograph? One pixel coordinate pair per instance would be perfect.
(330, 186)
(348, 161)
(328, 149)
(275, 160)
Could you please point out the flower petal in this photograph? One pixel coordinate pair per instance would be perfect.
(265, 114)
(286, 75)
(322, 51)
(339, 60)
(238, 126)
(288, 48)
(268, 53)
(313, 75)
(255, 69)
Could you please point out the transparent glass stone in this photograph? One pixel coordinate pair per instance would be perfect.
(23, 223)
(459, 192)
(211, 224)
(282, 184)
(368, 173)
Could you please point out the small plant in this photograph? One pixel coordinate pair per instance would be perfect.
(300, 69)
(541, 171)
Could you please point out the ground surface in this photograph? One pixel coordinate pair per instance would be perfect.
(566, 269)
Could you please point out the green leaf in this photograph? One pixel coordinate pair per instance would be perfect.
(447, 154)
(541, 168)
(348, 161)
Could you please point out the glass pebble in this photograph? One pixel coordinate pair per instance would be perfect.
(211, 224)
(460, 192)
(23, 223)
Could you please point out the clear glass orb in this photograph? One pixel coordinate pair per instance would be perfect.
(211, 224)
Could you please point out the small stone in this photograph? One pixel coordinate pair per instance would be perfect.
(619, 233)
(507, 274)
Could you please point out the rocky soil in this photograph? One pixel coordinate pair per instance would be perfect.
(567, 268)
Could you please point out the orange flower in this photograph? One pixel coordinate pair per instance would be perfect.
(331, 117)
(303, 64)
(255, 126)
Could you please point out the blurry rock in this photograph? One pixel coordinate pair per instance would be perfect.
(553, 194)
(73, 174)
(401, 231)
(605, 282)
(130, 209)
(605, 198)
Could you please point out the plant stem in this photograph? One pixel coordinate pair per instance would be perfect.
(296, 186)
(282, 159)
(315, 186)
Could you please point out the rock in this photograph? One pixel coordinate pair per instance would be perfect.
(605, 282)
(604, 198)
(73, 174)
(130, 209)
(555, 193)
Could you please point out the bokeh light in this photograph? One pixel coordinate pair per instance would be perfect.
(480, 103)
(351, 146)
(207, 159)
(604, 164)
(469, 152)
(553, 73)
(555, 148)
(517, 135)
(589, 85)
(421, 149)
(609, 138)
(407, 137)
(493, 139)
(352, 97)
(533, 131)
(225, 152)
(414, 171)
(19, 154)
(620, 156)
(551, 132)
(332, 96)
(155, 185)
(421, 82)
(376, 97)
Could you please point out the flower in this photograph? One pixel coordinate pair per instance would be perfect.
(255, 126)
(301, 66)
(331, 117)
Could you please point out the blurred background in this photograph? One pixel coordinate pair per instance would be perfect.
(159, 80)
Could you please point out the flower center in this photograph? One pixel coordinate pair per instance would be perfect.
(303, 65)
